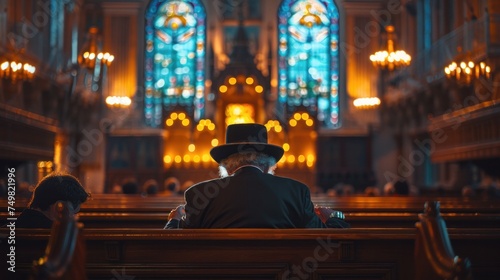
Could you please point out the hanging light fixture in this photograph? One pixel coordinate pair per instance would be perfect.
(92, 57)
(118, 102)
(366, 102)
(390, 58)
(467, 71)
(15, 70)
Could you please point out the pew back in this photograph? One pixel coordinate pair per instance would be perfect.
(121, 211)
(373, 253)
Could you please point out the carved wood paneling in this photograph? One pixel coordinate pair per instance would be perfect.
(25, 135)
(467, 134)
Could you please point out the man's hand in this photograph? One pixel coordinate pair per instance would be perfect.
(178, 213)
(324, 213)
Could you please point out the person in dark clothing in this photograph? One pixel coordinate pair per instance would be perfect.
(42, 209)
(401, 187)
(130, 187)
(248, 194)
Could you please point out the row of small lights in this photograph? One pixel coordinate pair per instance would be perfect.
(204, 124)
(187, 158)
(44, 168)
(366, 102)
(249, 81)
(291, 159)
(177, 116)
(118, 101)
(391, 60)
(207, 124)
(205, 158)
(467, 70)
(298, 116)
(89, 57)
(273, 125)
(17, 70)
(45, 164)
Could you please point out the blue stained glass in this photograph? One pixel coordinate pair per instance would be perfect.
(174, 58)
(308, 58)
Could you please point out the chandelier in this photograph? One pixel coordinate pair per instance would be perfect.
(118, 102)
(366, 102)
(390, 58)
(15, 70)
(467, 71)
(92, 57)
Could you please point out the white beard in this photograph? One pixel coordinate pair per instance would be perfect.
(223, 172)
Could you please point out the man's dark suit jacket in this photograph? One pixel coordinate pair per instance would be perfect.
(30, 218)
(250, 199)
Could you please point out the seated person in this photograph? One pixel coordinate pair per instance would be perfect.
(248, 195)
(401, 187)
(42, 209)
(171, 186)
(150, 188)
(130, 186)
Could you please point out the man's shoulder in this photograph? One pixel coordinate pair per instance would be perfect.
(30, 218)
(212, 183)
(286, 180)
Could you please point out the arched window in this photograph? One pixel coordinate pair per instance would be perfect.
(174, 59)
(308, 59)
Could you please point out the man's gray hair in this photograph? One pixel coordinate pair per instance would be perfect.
(229, 165)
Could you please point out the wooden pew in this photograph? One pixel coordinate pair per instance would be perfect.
(348, 204)
(373, 253)
(434, 255)
(357, 220)
(386, 212)
(64, 256)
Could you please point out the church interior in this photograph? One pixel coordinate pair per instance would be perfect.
(360, 94)
(110, 90)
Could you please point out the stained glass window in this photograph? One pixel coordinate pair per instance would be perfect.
(174, 59)
(308, 59)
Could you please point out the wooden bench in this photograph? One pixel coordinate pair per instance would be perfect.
(373, 253)
(434, 255)
(357, 220)
(385, 212)
(64, 256)
(349, 204)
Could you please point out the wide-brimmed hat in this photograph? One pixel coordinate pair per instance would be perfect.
(247, 137)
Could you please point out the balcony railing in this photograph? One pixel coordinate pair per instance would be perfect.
(475, 40)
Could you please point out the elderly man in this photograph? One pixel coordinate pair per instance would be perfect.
(248, 195)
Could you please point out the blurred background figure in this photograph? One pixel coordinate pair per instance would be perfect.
(389, 188)
(186, 186)
(468, 191)
(171, 186)
(372, 191)
(130, 186)
(150, 187)
(401, 187)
